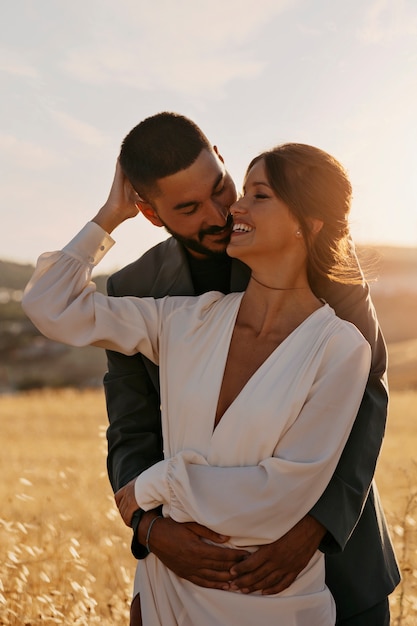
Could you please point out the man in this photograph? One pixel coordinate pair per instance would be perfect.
(182, 185)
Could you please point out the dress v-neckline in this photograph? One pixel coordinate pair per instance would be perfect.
(256, 373)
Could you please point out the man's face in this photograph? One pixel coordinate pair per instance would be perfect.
(194, 203)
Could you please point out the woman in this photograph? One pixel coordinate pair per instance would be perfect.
(254, 429)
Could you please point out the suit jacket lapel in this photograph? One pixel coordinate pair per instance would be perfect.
(173, 277)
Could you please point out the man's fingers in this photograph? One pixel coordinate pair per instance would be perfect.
(126, 512)
(191, 552)
(217, 559)
(217, 565)
(248, 565)
(265, 580)
(202, 531)
(126, 501)
(209, 583)
(283, 584)
(257, 576)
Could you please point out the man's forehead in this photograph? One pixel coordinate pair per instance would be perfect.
(200, 178)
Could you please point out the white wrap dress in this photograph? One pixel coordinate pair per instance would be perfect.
(268, 460)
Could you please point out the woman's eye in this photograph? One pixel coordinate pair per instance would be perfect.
(260, 196)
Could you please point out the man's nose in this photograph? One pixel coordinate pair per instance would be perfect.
(217, 213)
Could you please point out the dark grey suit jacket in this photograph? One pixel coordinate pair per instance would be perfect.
(361, 569)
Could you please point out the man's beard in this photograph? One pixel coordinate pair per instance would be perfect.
(197, 245)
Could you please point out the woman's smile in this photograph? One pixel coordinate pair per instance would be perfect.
(240, 228)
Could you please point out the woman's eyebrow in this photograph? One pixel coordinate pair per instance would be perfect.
(257, 183)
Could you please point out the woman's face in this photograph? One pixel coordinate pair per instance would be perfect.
(263, 225)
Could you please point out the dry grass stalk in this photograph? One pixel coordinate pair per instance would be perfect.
(64, 552)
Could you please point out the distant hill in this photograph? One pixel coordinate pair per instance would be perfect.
(394, 259)
(29, 360)
(388, 265)
(15, 276)
(395, 269)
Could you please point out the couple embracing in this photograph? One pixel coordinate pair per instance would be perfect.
(246, 415)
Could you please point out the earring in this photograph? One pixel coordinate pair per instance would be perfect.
(298, 233)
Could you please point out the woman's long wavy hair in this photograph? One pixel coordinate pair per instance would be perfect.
(313, 184)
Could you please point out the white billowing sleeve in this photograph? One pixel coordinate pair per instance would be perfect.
(258, 504)
(62, 301)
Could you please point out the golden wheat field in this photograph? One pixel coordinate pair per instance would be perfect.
(64, 552)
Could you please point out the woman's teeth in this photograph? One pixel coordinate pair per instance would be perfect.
(239, 228)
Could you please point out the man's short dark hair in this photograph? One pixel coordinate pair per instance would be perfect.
(160, 146)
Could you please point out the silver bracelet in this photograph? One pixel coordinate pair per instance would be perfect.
(148, 534)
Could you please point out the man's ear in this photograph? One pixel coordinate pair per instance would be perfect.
(216, 150)
(149, 212)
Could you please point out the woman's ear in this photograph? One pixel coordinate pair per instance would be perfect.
(315, 225)
(149, 212)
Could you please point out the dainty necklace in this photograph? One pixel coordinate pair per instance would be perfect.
(276, 288)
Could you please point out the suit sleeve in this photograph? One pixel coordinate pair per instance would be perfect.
(349, 487)
(134, 434)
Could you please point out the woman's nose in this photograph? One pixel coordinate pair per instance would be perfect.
(237, 206)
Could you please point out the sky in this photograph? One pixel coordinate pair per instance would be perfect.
(77, 76)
